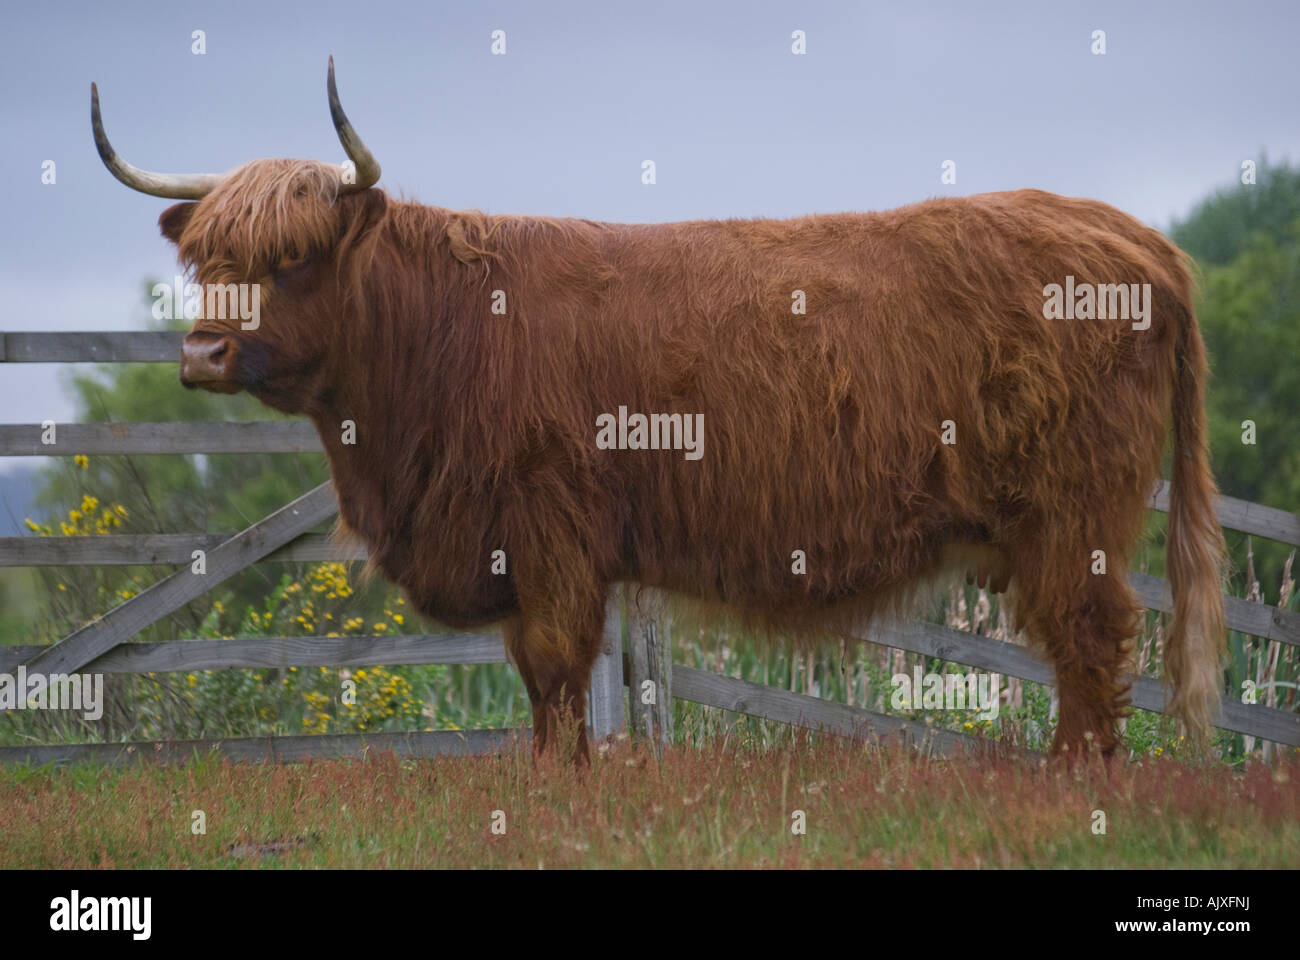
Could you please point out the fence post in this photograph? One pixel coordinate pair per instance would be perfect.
(605, 713)
(650, 661)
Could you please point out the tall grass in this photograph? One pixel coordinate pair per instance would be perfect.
(719, 805)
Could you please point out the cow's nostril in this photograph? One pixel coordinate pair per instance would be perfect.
(207, 360)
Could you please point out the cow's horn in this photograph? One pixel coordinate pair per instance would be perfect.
(366, 164)
(175, 186)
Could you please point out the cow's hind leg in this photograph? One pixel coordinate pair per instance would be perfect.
(513, 633)
(1085, 622)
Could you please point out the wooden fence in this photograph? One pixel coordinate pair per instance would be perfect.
(646, 667)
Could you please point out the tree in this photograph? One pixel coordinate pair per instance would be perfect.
(1246, 239)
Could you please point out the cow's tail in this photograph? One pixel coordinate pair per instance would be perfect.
(1195, 554)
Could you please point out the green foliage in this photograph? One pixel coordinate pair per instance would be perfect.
(1247, 240)
(1227, 222)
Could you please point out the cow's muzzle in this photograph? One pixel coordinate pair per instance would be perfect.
(209, 361)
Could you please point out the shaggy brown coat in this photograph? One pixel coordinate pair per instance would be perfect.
(476, 432)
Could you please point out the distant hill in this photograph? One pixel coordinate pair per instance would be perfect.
(17, 500)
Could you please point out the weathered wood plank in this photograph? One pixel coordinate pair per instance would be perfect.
(1258, 720)
(108, 550)
(782, 706)
(985, 653)
(650, 670)
(124, 621)
(157, 548)
(438, 743)
(1257, 619)
(98, 346)
(1243, 516)
(640, 683)
(185, 656)
(1009, 659)
(606, 714)
(109, 439)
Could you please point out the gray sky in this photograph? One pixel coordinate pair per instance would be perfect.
(736, 124)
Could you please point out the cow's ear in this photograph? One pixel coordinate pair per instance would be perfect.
(173, 220)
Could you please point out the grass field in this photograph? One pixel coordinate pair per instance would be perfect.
(717, 806)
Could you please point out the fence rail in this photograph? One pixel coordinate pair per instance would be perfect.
(105, 439)
(296, 749)
(283, 537)
(155, 548)
(184, 656)
(144, 346)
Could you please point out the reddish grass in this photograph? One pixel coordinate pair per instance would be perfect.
(865, 807)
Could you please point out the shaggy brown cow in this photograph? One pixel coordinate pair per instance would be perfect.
(921, 415)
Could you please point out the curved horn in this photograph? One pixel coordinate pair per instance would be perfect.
(367, 166)
(174, 186)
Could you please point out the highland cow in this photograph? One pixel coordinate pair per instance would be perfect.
(884, 392)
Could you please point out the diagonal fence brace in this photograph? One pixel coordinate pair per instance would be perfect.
(149, 606)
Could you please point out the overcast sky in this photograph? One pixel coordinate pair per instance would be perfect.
(736, 123)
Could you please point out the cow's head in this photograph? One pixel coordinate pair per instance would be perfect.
(275, 233)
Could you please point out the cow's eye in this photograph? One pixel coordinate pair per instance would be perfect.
(289, 261)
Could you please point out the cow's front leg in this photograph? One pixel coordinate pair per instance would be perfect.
(554, 647)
